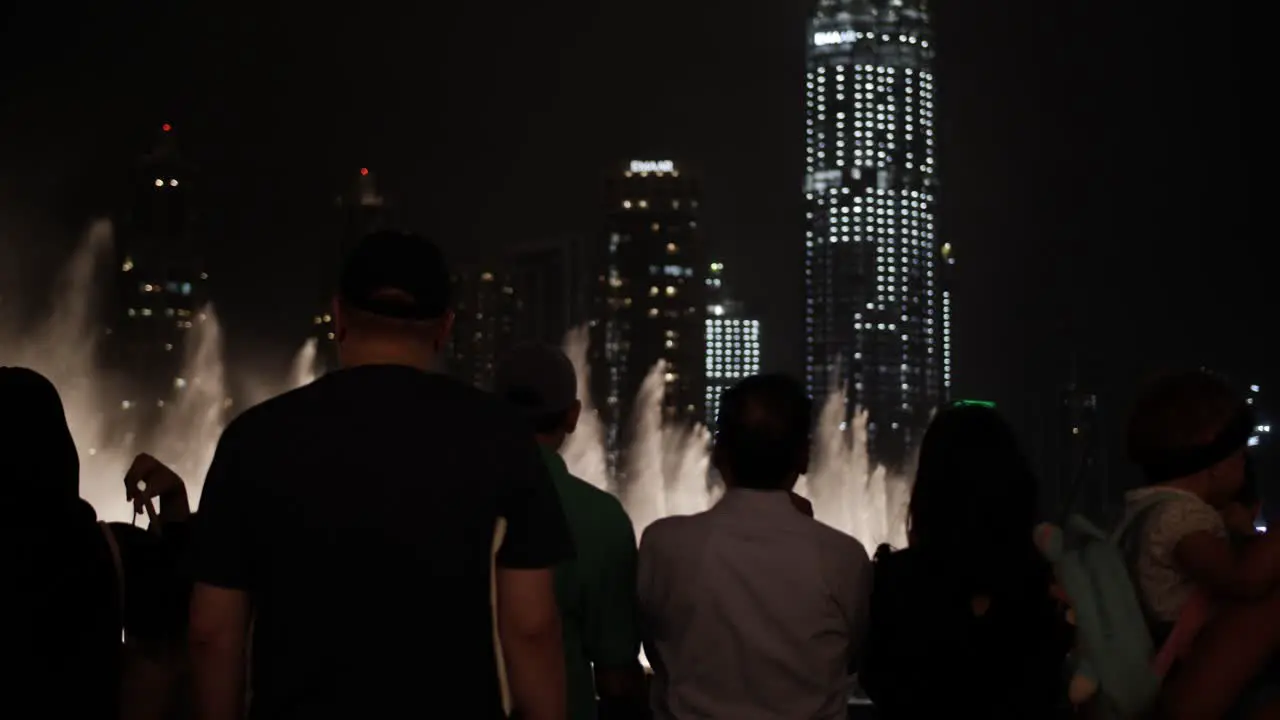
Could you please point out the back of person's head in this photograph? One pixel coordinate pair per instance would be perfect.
(393, 297)
(39, 464)
(1185, 423)
(540, 383)
(975, 493)
(762, 433)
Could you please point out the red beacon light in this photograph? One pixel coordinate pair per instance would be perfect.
(166, 127)
(364, 171)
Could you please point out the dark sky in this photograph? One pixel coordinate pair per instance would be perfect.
(1104, 169)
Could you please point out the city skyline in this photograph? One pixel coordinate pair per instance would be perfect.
(1078, 230)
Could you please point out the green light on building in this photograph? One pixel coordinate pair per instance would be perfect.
(974, 403)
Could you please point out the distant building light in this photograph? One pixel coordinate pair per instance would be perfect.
(173, 183)
(1254, 388)
(648, 166)
(974, 403)
(159, 182)
(166, 127)
(364, 171)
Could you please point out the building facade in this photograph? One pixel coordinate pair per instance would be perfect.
(653, 285)
(733, 343)
(555, 286)
(160, 288)
(1262, 456)
(877, 319)
(484, 306)
(360, 210)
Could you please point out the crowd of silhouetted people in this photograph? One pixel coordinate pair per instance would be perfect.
(389, 542)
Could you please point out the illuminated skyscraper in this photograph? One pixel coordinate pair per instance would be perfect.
(361, 210)
(160, 284)
(877, 316)
(654, 289)
(733, 343)
(484, 306)
(554, 286)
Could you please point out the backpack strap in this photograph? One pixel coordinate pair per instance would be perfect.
(1134, 516)
(499, 534)
(117, 563)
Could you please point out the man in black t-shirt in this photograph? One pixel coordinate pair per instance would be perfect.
(354, 518)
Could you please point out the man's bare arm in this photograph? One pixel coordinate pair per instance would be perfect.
(219, 626)
(529, 627)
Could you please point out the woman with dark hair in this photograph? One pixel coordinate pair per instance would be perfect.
(963, 618)
(78, 584)
(67, 612)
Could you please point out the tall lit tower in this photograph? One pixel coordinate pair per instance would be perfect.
(876, 319)
(160, 282)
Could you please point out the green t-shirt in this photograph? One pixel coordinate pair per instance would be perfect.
(596, 590)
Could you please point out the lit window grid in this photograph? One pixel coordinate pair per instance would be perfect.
(869, 116)
(733, 353)
(890, 235)
(946, 338)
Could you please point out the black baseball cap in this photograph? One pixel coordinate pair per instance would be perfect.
(398, 275)
(537, 380)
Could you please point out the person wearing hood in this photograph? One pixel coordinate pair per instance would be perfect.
(66, 621)
(77, 582)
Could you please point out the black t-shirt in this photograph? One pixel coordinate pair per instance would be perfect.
(358, 512)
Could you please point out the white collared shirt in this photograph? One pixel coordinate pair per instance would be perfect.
(751, 611)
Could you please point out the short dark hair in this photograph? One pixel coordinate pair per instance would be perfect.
(396, 275)
(762, 431)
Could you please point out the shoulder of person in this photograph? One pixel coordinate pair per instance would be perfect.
(841, 542)
(601, 501)
(1183, 509)
(661, 531)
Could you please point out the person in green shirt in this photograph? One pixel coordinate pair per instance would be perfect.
(596, 590)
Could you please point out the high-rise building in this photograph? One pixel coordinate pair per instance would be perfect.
(161, 285)
(733, 343)
(554, 285)
(1262, 456)
(360, 211)
(484, 306)
(654, 289)
(1078, 469)
(876, 317)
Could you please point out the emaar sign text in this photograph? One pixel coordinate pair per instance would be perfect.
(647, 166)
(834, 37)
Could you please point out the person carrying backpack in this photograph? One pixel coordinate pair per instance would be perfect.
(1141, 593)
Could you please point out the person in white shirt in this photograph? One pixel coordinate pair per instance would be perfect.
(753, 609)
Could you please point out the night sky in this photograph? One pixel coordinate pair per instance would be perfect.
(1104, 172)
